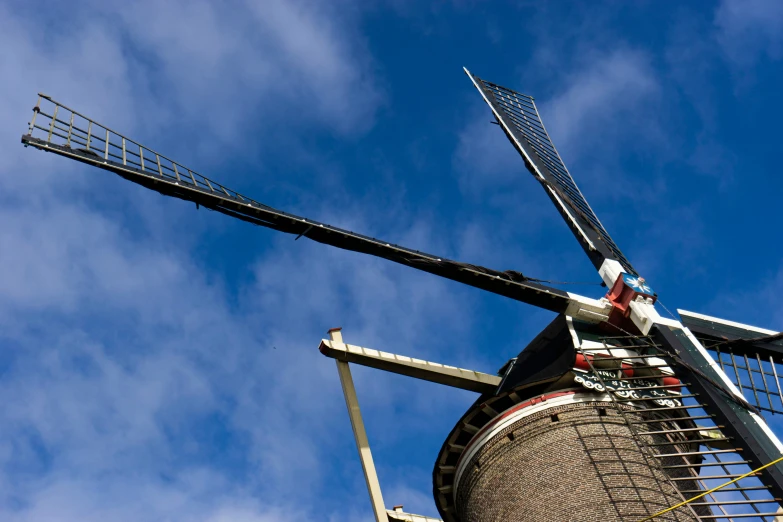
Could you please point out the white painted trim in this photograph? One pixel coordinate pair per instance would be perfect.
(572, 331)
(644, 316)
(610, 270)
(587, 309)
(765, 427)
(726, 322)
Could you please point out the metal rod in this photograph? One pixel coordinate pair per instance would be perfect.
(716, 477)
(744, 515)
(764, 380)
(740, 502)
(739, 381)
(725, 468)
(58, 104)
(750, 376)
(640, 444)
(680, 430)
(675, 408)
(601, 359)
(36, 110)
(176, 172)
(777, 381)
(706, 464)
(141, 157)
(728, 490)
(70, 130)
(106, 152)
(686, 442)
(689, 453)
(160, 170)
(51, 127)
(720, 360)
(700, 417)
(89, 134)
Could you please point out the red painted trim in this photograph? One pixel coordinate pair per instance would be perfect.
(671, 381)
(520, 406)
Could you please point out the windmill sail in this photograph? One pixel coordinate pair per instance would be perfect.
(518, 115)
(751, 357)
(63, 131)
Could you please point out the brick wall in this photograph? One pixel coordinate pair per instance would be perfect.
(582, 465)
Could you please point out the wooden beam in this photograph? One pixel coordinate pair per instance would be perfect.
(417, 368)
(359, 434)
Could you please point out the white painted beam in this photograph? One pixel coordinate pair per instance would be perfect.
(417, 368)
(733, 324)
(400, 516)
(360, 435)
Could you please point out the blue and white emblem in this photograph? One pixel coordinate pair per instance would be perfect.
(638, 284)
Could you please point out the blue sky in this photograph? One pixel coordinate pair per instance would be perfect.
(160, 363)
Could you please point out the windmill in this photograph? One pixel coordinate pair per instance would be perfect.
(612, 413)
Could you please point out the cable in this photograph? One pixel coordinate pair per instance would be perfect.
(586, 283)
(667, 310)
(713, 490)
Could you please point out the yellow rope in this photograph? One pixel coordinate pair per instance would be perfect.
(712, 490)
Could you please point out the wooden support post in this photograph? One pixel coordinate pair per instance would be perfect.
(362, 444)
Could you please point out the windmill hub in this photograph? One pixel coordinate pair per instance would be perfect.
(626, 289)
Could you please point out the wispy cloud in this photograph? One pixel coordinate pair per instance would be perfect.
(137, 388)
(203, 72)
(750, 29)
(605, 104)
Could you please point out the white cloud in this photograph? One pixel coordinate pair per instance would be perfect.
(122, 346)
(121, 353)
(484, 157)
(750, 28)
(604, 101)
(216, 78)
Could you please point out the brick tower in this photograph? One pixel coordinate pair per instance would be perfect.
(552, 447)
